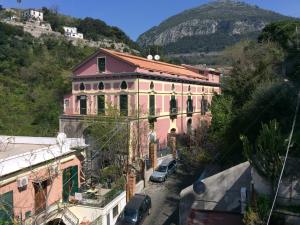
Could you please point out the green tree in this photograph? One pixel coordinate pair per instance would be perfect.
(265, 154)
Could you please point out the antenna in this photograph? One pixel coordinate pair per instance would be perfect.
(157, 57)
(150, 57)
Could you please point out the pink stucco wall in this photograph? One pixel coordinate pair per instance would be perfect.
(112, 66)
(162, 127)
(24, 200)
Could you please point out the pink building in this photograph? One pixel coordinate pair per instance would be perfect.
(167, 98)
(36, 173)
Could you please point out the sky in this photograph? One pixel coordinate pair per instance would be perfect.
(137, 16)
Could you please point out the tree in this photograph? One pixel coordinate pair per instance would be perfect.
(265, 154)
(253, 64)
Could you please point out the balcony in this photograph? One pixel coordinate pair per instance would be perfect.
(153, 114)
(189, 111)
(173, 113)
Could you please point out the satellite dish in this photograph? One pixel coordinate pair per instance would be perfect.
(61, 139)
(199, 187)
(150, 57)
(157, 57)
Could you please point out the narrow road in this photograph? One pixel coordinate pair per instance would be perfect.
(165, 196)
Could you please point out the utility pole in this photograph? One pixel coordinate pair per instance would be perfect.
(297, 36)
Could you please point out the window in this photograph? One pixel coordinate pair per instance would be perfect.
(173, 87)
(6, 209)
(123, 85)
(151, 85)
(173, 105)
(115, 211)
(101, 86)
(83, 104)
(189, 104)
(101, 104)
(152, 105)
(67, 103)
(189, 88)
(70, 182)
(204, 106)
(101, 64)
(81, 87)
(124, 105)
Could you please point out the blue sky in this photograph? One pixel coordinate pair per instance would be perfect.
(136, 16)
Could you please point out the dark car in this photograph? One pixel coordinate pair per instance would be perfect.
(135, 210)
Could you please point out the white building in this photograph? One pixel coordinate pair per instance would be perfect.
(33, 14)
(72, 32)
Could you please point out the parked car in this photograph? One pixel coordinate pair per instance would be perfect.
(135, 210)
(166, 168)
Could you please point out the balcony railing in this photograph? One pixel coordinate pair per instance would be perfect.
(173, 113)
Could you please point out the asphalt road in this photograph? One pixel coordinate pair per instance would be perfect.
(165, 196)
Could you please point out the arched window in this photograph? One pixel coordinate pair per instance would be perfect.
(173, 87)
(101, 86)
(82, 87)
(151, 85)
(123, 85)
(189, 88)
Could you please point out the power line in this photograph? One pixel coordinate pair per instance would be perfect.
(286, 155)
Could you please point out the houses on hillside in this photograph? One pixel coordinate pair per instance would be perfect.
(72, 32)
(35, 14)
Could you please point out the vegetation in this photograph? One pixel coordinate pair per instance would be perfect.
(266, 154)
(108, 137)
(92, 29)
(256, 92)
(34, 76)
(257, 214)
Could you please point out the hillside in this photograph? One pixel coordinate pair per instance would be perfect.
(34, 76)
(92, 29)
(209, 28)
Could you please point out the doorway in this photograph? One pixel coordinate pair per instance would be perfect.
(40, 196)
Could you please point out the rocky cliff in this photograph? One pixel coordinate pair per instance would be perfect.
(210, 27)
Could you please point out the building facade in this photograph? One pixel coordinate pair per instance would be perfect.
(36, 173)
(72, 32)
(33, 14)
(164, 97)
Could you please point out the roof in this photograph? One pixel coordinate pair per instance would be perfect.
(136, 201)
(146, 64)
(165, 162)
(153, 65)
(18, 153)
(205, 217)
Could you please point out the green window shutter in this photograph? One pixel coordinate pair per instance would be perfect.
(101, 64)
(6, 208)
(65, 184)
(74, 179)
(152, 105)
(101, 104)
(124, 105)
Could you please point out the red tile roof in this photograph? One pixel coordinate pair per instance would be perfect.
(156, 66)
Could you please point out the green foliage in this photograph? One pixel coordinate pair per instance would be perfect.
(33, 79)
(254, 64)
(257, 214)
(92, 29)
(266, 154)
(222, 111)
(287, 35)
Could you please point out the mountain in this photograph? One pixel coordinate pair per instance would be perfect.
(210, 27)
